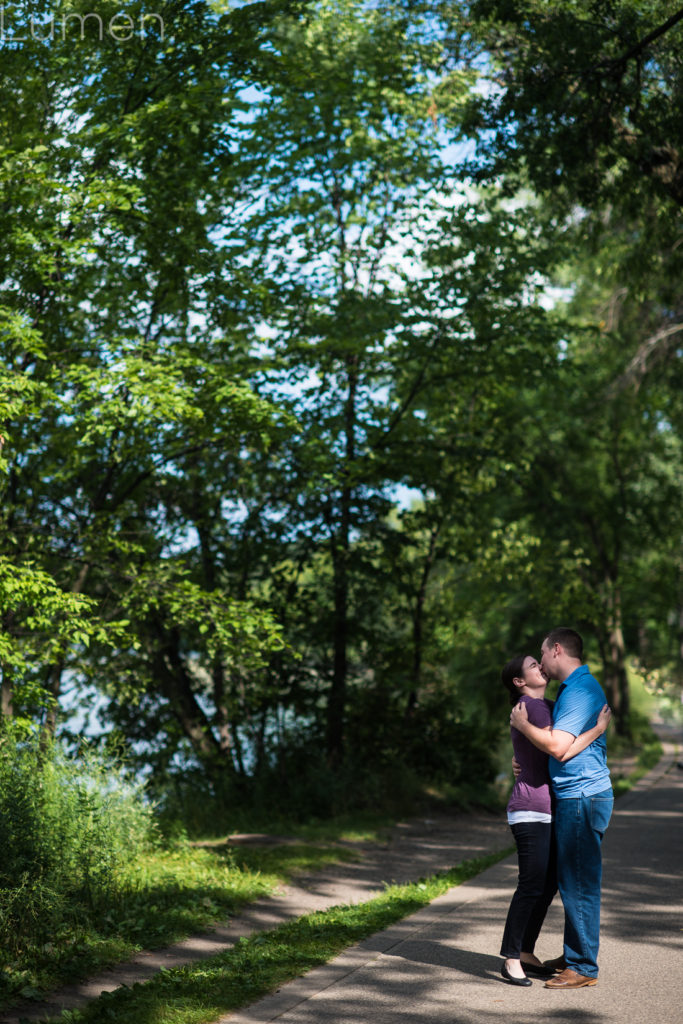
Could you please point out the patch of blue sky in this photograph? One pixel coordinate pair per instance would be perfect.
(406, 497)
(83, 707)
(183, 542)
(234, 510)
(226, 6)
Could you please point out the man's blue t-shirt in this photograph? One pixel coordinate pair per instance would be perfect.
(578, 703)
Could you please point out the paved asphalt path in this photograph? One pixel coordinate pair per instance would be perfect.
(441, 966)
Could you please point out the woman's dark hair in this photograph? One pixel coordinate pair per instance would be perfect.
(514, 669)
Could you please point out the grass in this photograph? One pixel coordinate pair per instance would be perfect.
(259, 964)
(359, 827)
(164, 896)
(644, 746)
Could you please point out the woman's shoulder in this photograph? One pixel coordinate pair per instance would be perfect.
(539, 710)
(537, 701)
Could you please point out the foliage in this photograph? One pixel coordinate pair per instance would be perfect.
(110, 390)
(68, 831)
(580, 102)
(158, 896)
(586, 97)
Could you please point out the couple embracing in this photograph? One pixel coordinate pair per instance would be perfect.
(559, 810)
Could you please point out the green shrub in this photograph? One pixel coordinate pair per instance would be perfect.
(28, 909)
(67, 829)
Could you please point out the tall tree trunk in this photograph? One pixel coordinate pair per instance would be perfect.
(340, 558)
(337, 695)
(202, 516)
(53, 685)
(53, 682)
(223, 722)
(613, 659)
(176, 686)
(6, 687)
(418, 619)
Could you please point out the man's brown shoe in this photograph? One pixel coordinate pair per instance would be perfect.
(570, 979)
(558, 964)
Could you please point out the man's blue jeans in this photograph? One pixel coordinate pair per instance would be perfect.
(580, 824)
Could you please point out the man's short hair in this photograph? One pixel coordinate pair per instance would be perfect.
(567, 638)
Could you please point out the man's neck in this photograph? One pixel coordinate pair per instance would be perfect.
(567, 669)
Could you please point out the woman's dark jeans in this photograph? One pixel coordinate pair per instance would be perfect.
(536, 886)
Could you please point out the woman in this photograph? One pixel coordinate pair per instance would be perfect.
(530, 818)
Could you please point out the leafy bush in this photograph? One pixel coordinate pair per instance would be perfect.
(67, 829)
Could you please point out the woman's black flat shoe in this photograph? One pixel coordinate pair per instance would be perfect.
(514, 981)
(538, 970)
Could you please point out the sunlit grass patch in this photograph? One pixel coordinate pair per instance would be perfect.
(354, 827)
(285, 862)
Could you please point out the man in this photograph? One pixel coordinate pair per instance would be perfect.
(583, 802)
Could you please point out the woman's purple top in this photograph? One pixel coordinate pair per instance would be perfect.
(531, 791)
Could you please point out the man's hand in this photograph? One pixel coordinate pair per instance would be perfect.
(604, 718)
(518, 716)
(516, 767)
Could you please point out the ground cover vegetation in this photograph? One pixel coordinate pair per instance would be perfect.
(340, 357)
(87, 880)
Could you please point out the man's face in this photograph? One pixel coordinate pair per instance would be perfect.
(547, 659)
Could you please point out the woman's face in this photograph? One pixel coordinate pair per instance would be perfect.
(534, 676)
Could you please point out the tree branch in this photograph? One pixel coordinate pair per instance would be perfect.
(640, 47)
(651, 348)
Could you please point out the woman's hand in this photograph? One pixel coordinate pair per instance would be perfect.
(518, 716)
(604, 718)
